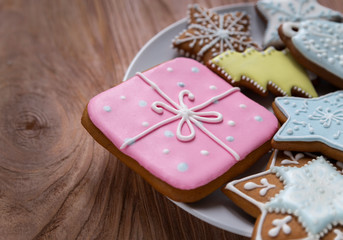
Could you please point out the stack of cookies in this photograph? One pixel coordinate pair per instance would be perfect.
(188, 130)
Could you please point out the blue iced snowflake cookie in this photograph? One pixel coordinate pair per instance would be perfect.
(311, 125)
(209, 34)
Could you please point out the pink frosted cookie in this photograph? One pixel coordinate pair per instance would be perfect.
(181, 127)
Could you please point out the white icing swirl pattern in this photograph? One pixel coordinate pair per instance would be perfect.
(189, 116)
(216, 32)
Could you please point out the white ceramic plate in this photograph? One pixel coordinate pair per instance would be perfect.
(215, 209)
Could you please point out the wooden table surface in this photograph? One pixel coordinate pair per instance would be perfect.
(56, 182)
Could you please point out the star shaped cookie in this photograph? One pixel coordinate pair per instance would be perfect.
(270, 70)
(276, 12)
(209, 34)
(318, 46)
(299, 196)
(311, 125)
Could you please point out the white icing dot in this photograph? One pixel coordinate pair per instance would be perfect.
(122, 97)
(289, 131)
(168, 134)
(195, 69)
(142, 103)
(242, 106)
(107, 108)
(169, 69)
(258, 118)
(145, 124)
(212, 87)
(166, 151)
(231, 123)
(182, 167)
(204, 152)
(181, 84)
(230, 138)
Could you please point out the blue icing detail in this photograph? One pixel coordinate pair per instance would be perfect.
(142, 103)
(322, 43)
(168, 134)
(313, 192)
(318, 119)
(107, 108)
(258, 118)
(195, 69)
(230, 138)
(181, 84)
(182, 167)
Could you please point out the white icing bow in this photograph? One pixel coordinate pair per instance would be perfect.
(188, 116)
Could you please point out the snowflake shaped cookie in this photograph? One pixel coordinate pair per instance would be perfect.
(311, 124)
(209, 34)
(270, 70)
(318, 45)
(293, 200)
(277, 12)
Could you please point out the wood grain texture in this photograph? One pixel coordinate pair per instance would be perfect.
(55, 181)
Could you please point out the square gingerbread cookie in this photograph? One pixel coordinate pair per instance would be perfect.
(181, 127)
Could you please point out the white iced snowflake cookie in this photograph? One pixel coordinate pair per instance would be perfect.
(297, 197)
(209, 34)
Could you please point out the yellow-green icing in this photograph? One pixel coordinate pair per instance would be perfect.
(263, 68)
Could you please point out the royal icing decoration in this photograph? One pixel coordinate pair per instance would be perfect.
(311, 195)
(339, 234)
(265, 185)
(209, 34)
(188, 116)
(292, 159)
(321, 42)
(280, 224)
(312, 120)
(277, 12)
(181, 134)
(270, 69)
